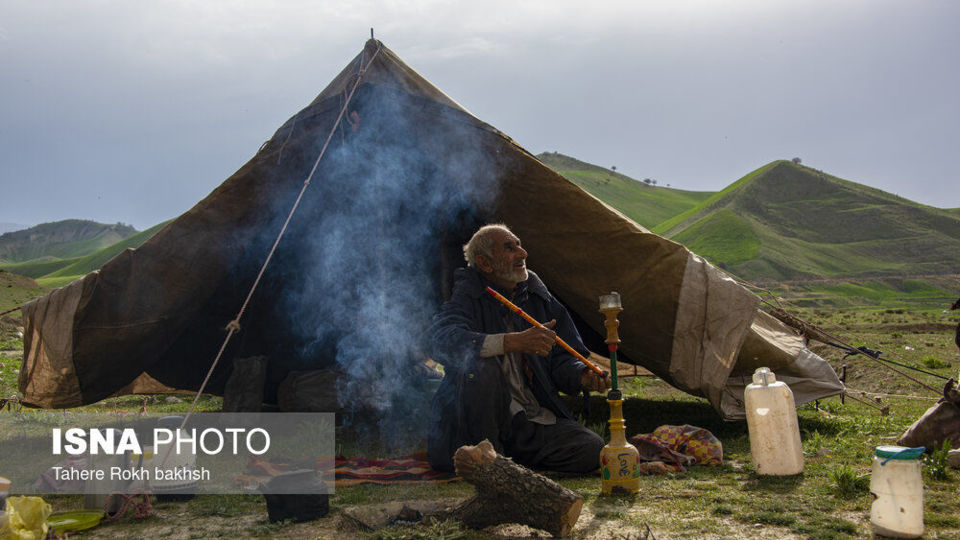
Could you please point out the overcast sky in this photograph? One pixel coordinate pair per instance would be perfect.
(134, 111)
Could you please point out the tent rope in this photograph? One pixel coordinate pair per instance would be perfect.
(812, 331)
(234, 325)
(876, 354)
(866, 402)
(884, 395)
(293, 127)
(12, 310)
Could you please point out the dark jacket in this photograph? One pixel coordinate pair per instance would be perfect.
(472, 402)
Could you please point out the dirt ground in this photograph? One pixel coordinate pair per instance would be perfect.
(177, 524)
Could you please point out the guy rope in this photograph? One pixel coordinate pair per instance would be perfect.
(812, 331)
(234, 325)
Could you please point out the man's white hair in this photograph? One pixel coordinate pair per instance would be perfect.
(481, 243)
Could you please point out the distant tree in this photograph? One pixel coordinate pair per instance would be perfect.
(654, 182)
(647, 181)
(796, 160)
(614, 168)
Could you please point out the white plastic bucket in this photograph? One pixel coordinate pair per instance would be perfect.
(897, 489)
(772, 423)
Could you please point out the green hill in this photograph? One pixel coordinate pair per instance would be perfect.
(787, 221)
(61, 240)
(52, 272)
(84, 265)
(646, 204)
(36, 268)
(16, 290)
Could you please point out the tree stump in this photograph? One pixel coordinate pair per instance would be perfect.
(510, 493)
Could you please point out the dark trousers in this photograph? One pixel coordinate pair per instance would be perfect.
(475, 406)
(565, 446)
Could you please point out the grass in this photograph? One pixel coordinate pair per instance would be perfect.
(647, 205)
(730, 501)
(55, 282)
(38, 267)
(936, 462)
(62, 239)
(722, 236)
(440, 530)
(933, 362)
(16, 290)
(933, 293)
(51, 273)
(678, 221)
(810, 225)
(848, 482)
(95, 260)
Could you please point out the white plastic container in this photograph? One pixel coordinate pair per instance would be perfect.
(897, 489)
(772, 423)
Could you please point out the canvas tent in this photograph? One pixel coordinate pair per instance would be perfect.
(370, 252)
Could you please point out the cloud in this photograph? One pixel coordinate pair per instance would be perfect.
(182, 92)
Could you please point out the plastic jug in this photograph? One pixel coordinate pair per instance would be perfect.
(897, 489)
(772, 424)
(97, 491)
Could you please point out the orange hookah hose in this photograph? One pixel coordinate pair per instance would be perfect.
(513, 307)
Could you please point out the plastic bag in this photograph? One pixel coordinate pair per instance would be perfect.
(26, 519)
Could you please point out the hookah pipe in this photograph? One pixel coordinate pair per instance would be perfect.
(619, 460)
(610, 306)
(513, 307)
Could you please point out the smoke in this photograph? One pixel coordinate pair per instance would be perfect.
(360, 273)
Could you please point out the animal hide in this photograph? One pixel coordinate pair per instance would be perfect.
(941, 422)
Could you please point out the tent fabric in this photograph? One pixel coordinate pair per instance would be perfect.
(48, 374)
(704, 358)
(154, 317)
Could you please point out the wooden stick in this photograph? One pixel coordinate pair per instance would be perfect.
(513, 307)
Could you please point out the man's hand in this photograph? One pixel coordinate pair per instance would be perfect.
(589, 380)
(533, 340)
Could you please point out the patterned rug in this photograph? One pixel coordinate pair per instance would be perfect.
(350, 471)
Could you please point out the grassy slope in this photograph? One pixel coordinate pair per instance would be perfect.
(16, 290)
(52, 273)
(37, 268)
(931, 294)
(785, 221)
(647, 205)
(93, 261)
(61, 239)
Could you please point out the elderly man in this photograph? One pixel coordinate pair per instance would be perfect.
(502, 374)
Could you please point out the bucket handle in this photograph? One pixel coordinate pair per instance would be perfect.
(905, 450)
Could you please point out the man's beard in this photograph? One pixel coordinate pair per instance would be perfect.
(507, 272)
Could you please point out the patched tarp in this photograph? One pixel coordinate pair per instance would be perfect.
(154, 317)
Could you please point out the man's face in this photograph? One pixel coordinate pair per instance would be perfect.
(507, 264)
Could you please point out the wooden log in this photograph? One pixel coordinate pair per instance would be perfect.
(510, 493)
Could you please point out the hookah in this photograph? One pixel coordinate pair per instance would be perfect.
(619, 458)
